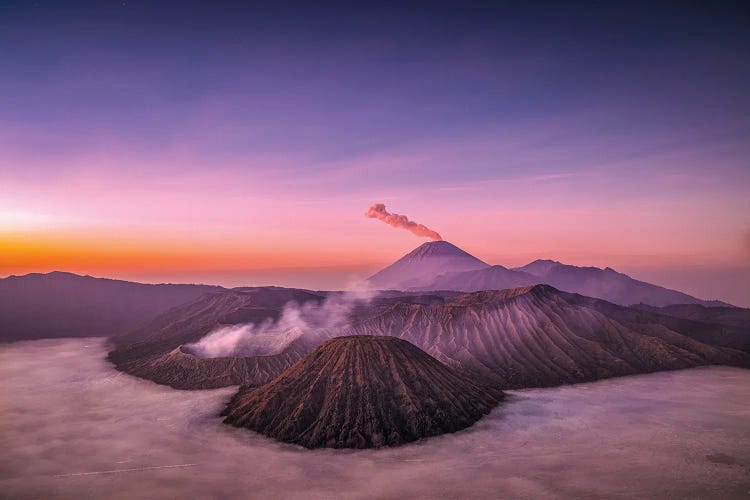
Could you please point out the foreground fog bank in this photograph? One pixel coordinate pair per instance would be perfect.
(73, 427)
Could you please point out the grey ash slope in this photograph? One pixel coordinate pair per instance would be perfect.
(422, 264)
(362, 392)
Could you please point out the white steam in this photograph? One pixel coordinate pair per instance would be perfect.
(310, 319)
(245, 340)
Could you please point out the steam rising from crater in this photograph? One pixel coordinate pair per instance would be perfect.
(378, 211)
(272, 337)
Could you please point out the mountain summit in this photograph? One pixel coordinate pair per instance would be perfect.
(439, 249)
(421, 265)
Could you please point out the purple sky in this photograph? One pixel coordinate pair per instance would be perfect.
(236, 145)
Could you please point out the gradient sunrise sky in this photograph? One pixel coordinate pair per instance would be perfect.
(174, 141)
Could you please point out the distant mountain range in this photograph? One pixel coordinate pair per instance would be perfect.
(440, 265)
(61, 304)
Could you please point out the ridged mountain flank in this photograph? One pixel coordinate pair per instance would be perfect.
(539, 336)
(524, 337)
(362, 392)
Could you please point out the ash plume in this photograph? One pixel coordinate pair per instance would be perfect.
(378, 211)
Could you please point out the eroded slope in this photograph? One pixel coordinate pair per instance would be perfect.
(362, 392)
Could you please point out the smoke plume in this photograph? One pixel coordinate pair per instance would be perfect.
(314, 320)
(378, 211)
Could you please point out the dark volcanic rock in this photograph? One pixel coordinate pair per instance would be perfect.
(362, 392)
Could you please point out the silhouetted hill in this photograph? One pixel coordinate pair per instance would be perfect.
(68, 305)
(725, 326)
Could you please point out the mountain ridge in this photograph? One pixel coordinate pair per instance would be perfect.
(524, 337)
(62, 304)
(442, 266)
(608, 284)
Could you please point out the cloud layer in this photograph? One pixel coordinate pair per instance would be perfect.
(65, 412)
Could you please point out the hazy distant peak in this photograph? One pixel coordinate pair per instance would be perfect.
(424, 263)
(49, 275)
(545, 261)
(540, 267)
(544, 267)
(607, 283)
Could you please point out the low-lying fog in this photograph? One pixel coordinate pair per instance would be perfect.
(71, 426)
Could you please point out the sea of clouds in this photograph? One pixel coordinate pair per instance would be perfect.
(73, 427)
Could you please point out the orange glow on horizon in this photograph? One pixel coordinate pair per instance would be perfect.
(43, 253)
